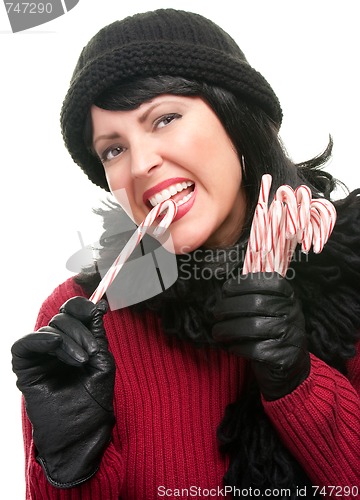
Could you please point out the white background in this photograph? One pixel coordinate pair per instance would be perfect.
(307, 50)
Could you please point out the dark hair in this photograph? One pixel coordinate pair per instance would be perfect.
(258, 458)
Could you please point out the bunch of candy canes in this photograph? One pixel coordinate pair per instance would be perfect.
(292, 218)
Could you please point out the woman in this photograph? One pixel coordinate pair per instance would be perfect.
(234, 385)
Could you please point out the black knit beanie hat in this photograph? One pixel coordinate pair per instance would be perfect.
(162, 42)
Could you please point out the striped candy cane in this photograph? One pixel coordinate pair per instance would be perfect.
(134, 241)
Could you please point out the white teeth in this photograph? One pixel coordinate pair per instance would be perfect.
(185, 199)
(158, 199)
(165, 194)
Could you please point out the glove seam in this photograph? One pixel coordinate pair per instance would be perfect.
(58, 484)
(107, 410)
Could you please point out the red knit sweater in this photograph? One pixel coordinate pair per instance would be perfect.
(169, 400)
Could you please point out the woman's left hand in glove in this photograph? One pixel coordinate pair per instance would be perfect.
(260, 319)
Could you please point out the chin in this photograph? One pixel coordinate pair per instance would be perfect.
(183, 243)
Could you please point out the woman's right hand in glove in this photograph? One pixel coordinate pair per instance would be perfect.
(66, 374)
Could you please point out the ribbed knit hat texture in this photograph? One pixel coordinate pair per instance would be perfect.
(161, 42)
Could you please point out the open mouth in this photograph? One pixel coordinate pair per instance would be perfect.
(179, 192)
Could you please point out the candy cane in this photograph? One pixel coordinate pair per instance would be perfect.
(327, 214)
(303, 199)
(318, 239)
(253, 260)
(265, 186)
(287, 196)
(307, 238)
(134, 241)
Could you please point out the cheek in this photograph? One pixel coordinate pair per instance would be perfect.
(119, 184)
(223, 170)
(213, 151)
(121, 190)
(192, 145)
(115, 179)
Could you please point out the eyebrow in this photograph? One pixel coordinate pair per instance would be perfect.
(146, 113)
(106, 136)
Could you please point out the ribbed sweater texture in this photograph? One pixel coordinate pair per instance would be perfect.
(169, 400)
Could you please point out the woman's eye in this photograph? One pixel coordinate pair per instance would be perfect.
(166, 120)
(111, 153)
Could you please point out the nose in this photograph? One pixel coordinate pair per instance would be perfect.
(145, 158)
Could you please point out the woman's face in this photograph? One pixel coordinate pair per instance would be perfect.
(174, 146)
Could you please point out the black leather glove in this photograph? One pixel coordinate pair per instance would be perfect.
(259, 318)
(66, 375)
